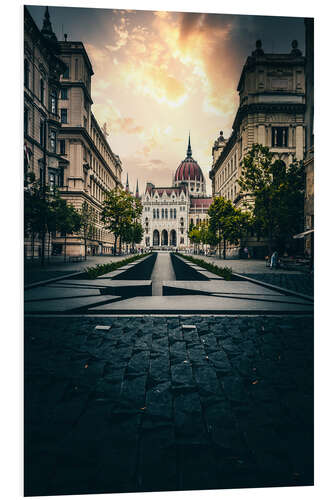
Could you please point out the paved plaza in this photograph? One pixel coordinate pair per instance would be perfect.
(155, 403)
(209, 385)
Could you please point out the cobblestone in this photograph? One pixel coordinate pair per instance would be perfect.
(148, 405)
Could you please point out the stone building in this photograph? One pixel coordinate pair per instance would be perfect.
(82, 165)
(271, 112)
(42, 70)
(169, 211)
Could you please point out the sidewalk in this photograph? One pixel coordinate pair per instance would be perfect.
(297, 281)
(56, 267)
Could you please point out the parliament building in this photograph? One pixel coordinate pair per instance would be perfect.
(168, 212)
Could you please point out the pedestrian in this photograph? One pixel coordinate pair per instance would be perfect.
(274, 260)
(246, 253)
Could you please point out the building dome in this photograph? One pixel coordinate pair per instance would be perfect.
(190, 173)
(189, 169)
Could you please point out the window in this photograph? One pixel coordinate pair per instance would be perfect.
(64, 94)
(280, 137)
(62, 146)
(157, 213)
(52, 181)
(53, 143)
(61, 177)
(63, 115)
(42, 89)
(53, 101)
(66, 73)
(26, 120)
(154, 213)
(162, 213)
(174, 213)
(41, 133)
(26, 73)
(166, 213)
(76, 69)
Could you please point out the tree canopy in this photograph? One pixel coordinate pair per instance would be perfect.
(227, 222)
(275, 195)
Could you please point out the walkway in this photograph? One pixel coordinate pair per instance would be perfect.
(297, 281)
(163, 271)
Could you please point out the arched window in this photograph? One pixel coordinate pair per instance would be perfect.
(174, 213)
(162, 213)
(157, 213)
(154, 213)
(166, 213)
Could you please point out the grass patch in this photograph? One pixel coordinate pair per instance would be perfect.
(95, 271)
(224, 272)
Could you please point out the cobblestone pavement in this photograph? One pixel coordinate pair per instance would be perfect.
(149, 405)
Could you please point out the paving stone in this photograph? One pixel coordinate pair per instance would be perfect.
(197, 355)
(181, 376)
(220, 362)
(206, 381)
(159, 401)
(160, 368)
(138, 364)
(178, 352)
(134, 391)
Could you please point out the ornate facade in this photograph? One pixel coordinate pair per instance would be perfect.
(169, 211)
(80, 162)
(42, 70)
(271, 112)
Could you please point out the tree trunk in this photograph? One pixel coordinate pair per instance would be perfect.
(224, 248)
(65, 250)
(49, 244)
(85, 248)
(115, 245)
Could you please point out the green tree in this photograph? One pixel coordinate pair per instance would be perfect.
(37, 211)
(227, 222)
(88, 219)
(68, 220)
(133, 233)
(120, 209)
(275, 193)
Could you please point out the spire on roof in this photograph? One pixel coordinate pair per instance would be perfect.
(189, 149)
(47, 30)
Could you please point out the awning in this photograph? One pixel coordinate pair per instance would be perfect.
(301, 235)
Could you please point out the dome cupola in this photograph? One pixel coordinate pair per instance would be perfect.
(190, 173)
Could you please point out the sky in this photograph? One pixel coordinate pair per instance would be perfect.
(160, 75)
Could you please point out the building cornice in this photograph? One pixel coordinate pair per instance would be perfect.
(278, 60)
